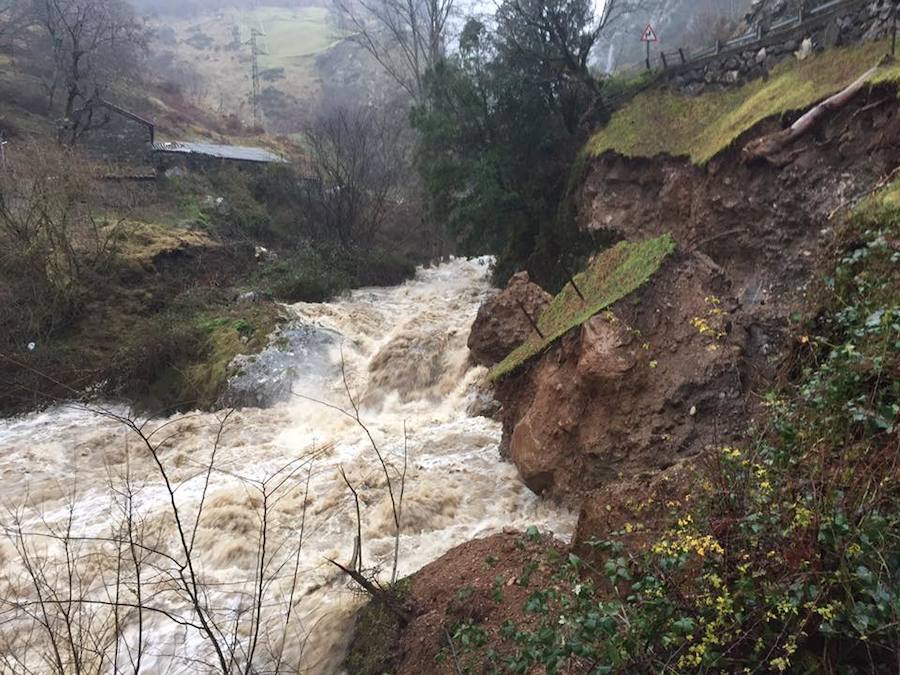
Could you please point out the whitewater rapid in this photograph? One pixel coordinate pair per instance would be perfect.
(401, 352)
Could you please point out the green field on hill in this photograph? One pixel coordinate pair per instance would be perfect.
(217, 47)
(289, 35)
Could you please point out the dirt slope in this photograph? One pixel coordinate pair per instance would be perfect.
(678, 366)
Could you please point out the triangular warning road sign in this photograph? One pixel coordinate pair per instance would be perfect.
(649, 35)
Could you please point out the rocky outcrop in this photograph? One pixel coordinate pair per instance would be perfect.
(501, 326)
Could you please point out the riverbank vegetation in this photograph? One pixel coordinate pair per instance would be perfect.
(151, 291)
(788, 557)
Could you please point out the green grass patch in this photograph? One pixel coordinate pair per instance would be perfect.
(610, 277)
(662, 122)
(141, 242)
(290, 34)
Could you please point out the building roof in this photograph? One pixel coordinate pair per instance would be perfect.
(125, 113)
(233, 152)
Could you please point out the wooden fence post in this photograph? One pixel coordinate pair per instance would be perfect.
(530, 318)
(662, 56)
(894, 31)
(681, 54)
(571, 278)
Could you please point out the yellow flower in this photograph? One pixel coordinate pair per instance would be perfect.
(802, 516)
(780, 664)
(731, 453)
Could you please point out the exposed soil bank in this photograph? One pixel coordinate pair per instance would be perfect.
(617, 415)
(673, 368)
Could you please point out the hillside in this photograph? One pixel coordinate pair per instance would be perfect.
(214, 52)
(24, 106)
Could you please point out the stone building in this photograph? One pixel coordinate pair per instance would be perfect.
(197, 156)
(119, 137)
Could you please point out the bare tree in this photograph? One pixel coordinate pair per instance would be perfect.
(49, 204)
(366, 578)
(91, 45)
(54, 242)
(406, 37)
(357, 160)
(84, 604)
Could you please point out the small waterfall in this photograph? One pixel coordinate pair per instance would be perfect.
(610, 66)
(401, 352)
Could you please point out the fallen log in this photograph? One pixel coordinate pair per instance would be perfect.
(767, 146)
(381, 595)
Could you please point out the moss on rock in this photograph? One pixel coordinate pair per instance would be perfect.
(611, 276)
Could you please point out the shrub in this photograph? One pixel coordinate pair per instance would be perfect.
(147, 367)
(319, 273)
(238, 215)
(308, 276)
(382, 267)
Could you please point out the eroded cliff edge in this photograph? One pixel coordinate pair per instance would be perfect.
(673, 368)
(619, 416)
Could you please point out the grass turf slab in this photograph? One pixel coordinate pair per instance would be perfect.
(611, 276)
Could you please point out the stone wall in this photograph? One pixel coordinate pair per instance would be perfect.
(847, 23)
(120, 139)
(173, 163)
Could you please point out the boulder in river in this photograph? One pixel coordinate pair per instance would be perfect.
(501, 326)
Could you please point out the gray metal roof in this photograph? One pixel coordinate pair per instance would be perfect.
(234, 152)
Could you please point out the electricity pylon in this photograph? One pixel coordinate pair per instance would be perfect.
(255, 53)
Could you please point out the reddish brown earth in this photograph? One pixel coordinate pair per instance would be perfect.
(634, 390)
(501, 324)
(681, 363)
(615, 418)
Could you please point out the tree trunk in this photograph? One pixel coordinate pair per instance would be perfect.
(767, 146)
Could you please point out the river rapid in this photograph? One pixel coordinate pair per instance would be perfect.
(94, 574)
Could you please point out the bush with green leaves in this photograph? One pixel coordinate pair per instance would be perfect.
(318, 273)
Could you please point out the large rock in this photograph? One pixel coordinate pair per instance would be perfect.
(634, 390)
(605, 354)
(500, 325)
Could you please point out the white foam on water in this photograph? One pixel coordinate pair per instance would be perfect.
(403, 357)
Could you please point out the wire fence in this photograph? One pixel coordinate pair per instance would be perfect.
(811, 13)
